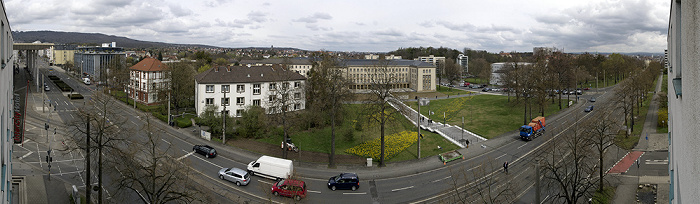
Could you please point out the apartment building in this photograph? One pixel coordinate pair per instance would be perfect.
(147, 78)
(405, 74)
(94, 61)
(299, 65)
(63, 54)
(9, 106)
(249, 85)
(463, 61)
(684, 101)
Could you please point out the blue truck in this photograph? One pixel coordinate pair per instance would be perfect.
(534, 129)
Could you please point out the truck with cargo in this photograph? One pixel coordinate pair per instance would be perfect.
(271, 167)
(534, 129)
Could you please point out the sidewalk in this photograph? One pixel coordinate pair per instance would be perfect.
(649, 141)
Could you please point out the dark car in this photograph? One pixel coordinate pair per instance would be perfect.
(290, 188)
(588, 109)
(205, 150)
(486, 89)
(344, 181)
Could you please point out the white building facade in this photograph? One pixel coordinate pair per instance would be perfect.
(147, 78)
(684, 101)
(237, 87)
(7, 107)
(463, 61)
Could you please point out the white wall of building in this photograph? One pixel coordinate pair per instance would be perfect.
(248, 95)
(6, 108)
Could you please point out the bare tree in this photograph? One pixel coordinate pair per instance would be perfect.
(285, 96)
(484, 183)
(105, 134)
(568, 165)
(152, 173)
(181, 85)
(601, 130)
(453, 72)
(624, 99)
(378, 108)
(480, 68)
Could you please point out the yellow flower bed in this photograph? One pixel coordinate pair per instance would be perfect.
(451, 109)
(395, 144)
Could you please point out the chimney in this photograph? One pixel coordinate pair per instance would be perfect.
(228, 69)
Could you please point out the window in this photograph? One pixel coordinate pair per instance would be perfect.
(240, 100)
(225, 88)
(224, 101)
(285, 85)
(273, 86)
(154, 86)
(297, 84)
(256, 89)
(240, 88)
(297, 95)
(256, 102)
(272, 98)
(209, 101)
(239, 112)
(297, 106)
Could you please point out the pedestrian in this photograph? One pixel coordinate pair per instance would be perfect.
(505, 167)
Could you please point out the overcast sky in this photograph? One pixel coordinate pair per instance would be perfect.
(359, 25)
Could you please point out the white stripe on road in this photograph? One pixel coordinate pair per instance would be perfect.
(399, 189)
(522, 145)
(267, 182)
(500, 156)
(166, 141)
(313, 191)
(363, 193)
(186, 155)
(441, 179)
(26, 155)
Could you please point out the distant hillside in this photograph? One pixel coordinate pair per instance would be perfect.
(89, 38)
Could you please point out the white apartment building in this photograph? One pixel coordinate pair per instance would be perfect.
(684, 101)
(8, 107)
(237, 87)
(463, 61)
(146, 78)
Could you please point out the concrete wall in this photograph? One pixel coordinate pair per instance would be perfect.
(6, 107)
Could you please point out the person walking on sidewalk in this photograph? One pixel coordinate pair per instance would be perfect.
(505, 167)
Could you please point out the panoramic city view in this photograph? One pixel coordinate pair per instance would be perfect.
(225, 101)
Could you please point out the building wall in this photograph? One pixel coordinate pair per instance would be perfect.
(63, 56)
(302, 69)
(684, 74)
(234, 108)
(146, 94)
(6, 107)
(94, 61)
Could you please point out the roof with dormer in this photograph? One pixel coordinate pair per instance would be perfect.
(149, 65)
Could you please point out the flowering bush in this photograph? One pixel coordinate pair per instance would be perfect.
(395, 144)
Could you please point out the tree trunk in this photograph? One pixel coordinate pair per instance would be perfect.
(381, 157)
(331, 160)
(87, 163)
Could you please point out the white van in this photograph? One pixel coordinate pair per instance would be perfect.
(271, 167)
(86, 81)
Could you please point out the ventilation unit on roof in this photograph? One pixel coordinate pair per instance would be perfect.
(261, 75)
(248, 65)
(248, 75)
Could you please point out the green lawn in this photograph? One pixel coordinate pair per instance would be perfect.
(318, 140)
(664, 89)
(485, 115)
(452, 91)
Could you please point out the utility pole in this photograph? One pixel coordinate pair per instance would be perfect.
(418, 124)
(223, 135)
(169, 108)
(88, 184)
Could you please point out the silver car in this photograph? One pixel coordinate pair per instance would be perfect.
(235, 175)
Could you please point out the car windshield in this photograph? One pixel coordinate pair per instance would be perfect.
(523, 129)
(337, 178)
(279, 183)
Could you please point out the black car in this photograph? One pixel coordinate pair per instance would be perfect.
(344, 181)
(205, 150)
(588, 109)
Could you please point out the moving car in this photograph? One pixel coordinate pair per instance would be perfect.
(344, 181)
(290, 188)
(205, 150)
(46, 88)
(235, 175)
(592, 99)
(588, 109)
(486, 89)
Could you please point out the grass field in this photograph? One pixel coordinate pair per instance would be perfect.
(318, 140)
(485, 115)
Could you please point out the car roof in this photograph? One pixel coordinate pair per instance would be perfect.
(348, 175)
(294, 182)
(238, 171)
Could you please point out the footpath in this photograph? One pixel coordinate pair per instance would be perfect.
(650, 141)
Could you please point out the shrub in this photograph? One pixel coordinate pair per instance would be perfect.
(183, 122)
(662, 122)
(348, 135)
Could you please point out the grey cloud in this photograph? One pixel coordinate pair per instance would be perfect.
(215, 3)
(257, 16)
(314, 18)
(179, 11)
(390, 32)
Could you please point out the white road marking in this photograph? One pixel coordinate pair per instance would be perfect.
(26, 155)
(522, 145)
(399, 189)
(267, 182)
(500, 156)
(186, 155)
(25, 141)
(363, 193)
(441, 179)
(166, 141)
(313, 191)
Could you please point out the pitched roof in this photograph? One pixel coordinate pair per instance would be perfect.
(390, 63)
(149, 65)
(245, 74)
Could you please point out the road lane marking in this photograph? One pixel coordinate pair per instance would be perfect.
(216, 165)
(400, 189)
(522, 145)
(26, 155)
(363, 193)
(267, 182)
(500, 156)
(186, 155)
(441, 179)
(25, 141)
(313, 191)
(166, 141)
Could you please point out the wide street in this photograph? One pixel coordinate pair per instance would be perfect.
(421, 181)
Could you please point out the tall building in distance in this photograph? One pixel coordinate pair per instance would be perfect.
(63, 54)
(463, 61)
(94, 61)
(436, 61)
(9, 104)
(684, 101)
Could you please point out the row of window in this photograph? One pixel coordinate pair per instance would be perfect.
(375, 69)
(239, 112)
(241, 100)
(154, 86)
(256, 87)
(153, 75)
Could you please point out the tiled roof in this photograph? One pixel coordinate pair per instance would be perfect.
(397, 62)
(149, 65)
(245, 74)
(292, 61)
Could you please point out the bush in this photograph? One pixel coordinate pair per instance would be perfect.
(183, 122)
(160, 117)
(662, 122)
(348, 135)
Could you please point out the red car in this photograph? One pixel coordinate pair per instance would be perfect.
(290, 188)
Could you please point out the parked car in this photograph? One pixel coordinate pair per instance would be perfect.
(588, 109)
(235, 175)
(290, 188)
(587, 88)
(46, 88)
(344, 181)
(592, 99)
(205, 150)
(486, 89)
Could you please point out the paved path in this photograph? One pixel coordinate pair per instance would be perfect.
(624, 164)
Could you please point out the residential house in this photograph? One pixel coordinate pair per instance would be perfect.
(147, 78)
